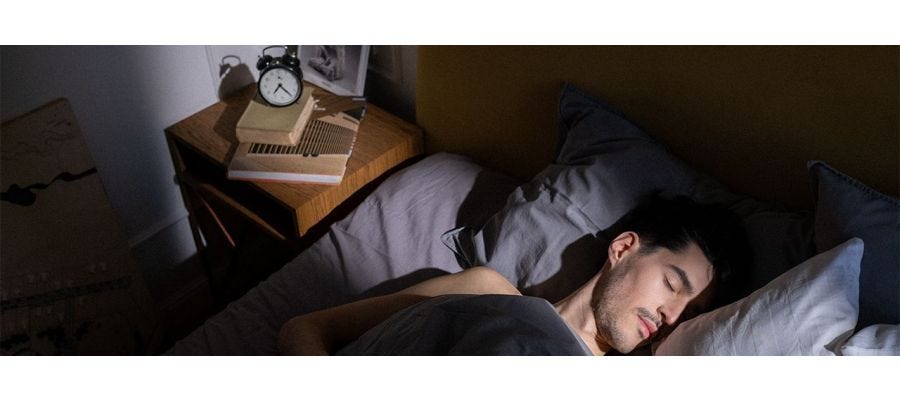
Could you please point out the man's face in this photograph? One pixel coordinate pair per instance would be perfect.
(643, 293)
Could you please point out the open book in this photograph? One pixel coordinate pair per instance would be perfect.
(321, 154)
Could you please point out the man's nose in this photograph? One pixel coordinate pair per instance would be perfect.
(670, 312)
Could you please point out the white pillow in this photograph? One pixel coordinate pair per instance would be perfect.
(808, 310)
(875, 340)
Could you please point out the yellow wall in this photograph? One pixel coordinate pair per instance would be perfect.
(749, 116)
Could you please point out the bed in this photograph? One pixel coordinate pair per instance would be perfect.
(534, 152)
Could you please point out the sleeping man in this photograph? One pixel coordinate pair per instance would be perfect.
(663, 267)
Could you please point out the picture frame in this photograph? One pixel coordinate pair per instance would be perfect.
(339, 69)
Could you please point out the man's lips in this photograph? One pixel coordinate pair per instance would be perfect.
(648, 327)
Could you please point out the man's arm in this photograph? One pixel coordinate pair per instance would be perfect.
(324, 332)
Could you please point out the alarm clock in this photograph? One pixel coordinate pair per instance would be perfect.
(280, 78)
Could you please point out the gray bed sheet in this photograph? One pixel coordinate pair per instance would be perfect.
(390, 241)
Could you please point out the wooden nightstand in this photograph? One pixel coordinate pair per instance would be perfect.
(291, 214)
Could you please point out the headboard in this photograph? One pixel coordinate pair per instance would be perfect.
(750, 117)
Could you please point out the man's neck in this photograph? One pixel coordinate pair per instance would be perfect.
(577, 312)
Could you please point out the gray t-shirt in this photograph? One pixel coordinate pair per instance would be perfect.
(472, 325)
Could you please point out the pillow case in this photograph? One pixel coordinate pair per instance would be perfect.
(875, 340)
(406, 215)
(809, 310)
(847, 208)
(549, 238)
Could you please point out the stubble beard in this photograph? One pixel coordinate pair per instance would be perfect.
(604, 304)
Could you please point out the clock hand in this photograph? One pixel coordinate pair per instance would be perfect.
(282, 88)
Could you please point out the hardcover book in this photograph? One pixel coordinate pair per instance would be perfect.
(262, 123)
(320, 156)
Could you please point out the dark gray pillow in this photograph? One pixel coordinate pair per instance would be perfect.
(549, 238)
(846, 208)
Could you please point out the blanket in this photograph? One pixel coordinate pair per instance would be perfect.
(485, 325)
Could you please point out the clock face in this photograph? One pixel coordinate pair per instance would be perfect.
(279, 86)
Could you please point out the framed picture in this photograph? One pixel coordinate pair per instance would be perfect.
(338, 69)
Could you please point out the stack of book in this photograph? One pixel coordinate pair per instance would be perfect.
(307, 142)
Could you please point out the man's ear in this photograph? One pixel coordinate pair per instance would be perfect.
(622, 245)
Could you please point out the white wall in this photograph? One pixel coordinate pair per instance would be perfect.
(125, 96)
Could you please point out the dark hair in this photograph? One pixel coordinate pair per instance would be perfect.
(675, 223)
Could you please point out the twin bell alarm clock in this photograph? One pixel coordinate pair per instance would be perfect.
(280, 78)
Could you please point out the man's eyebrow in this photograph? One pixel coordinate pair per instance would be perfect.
(684, 279)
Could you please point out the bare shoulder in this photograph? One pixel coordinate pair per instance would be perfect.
(489, 280)
(477, 280)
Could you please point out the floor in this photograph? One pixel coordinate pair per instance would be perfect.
(189, 292)
(183, 299)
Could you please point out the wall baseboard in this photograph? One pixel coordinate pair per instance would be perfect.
(156, 228)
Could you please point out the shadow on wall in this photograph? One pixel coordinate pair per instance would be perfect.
(234, 74)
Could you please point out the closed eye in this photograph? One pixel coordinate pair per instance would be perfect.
(669, 285)
(682, 277)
